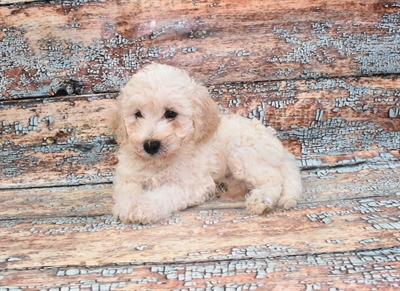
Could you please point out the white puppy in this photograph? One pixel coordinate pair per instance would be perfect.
(175, 145)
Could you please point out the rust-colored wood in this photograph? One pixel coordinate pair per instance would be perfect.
(202, 235)
(8, 2)
(75, 47)
(338, 213)
(325, 123)
(324, 74)
(356, 270)
(65, 140)
(83, 200)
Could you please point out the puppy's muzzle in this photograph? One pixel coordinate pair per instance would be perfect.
(152, 146)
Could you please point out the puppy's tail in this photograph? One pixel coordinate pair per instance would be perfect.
(292, 188)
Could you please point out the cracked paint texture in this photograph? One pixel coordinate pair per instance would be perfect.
(323, 74)
(97, 46)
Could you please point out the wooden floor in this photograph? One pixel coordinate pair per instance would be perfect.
(324, 74)
(344, 235)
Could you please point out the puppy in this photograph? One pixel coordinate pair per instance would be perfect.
(175, 146)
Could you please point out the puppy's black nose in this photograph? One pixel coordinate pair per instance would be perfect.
(151, 146)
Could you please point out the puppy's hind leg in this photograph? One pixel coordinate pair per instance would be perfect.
(273, 178)
(292, 188)
(264, 182)
(264, 194)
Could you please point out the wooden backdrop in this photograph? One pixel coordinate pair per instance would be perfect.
(324, 74)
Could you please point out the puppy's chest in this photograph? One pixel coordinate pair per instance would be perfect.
(156, 177)
(185, 174)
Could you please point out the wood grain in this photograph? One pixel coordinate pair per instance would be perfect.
(82, 200)
(65, 140)
(7, 2)
(324, 74)
(201, 235)
(75, 47)
(325, 122)
(343, 234)
(356, 270)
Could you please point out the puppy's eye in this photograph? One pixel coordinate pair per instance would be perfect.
(138, 114)
(169, 114)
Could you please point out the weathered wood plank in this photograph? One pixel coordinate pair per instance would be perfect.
(76, 47)
(198, 235)
(65, 140)
(7, 2)
(324, 122)
(321, 185)
(281, 62)
(83, 200)
(358, 270)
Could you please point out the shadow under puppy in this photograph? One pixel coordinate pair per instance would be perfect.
(175, 145)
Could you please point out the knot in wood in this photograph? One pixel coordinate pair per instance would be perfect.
(197, 33)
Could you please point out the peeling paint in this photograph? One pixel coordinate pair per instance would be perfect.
(336, 126)
(363, 48)
(104, 61)
(327, 137)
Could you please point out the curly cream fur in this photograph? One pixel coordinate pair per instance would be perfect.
(198, 148)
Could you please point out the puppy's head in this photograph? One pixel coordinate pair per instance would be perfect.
(161, 110)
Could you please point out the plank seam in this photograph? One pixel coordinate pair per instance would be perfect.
(208, 85)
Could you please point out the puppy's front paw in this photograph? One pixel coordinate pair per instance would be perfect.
(122, 211)
(138, 211)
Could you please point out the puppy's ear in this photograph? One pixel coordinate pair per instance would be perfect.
(205, 114)
(116, 124)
